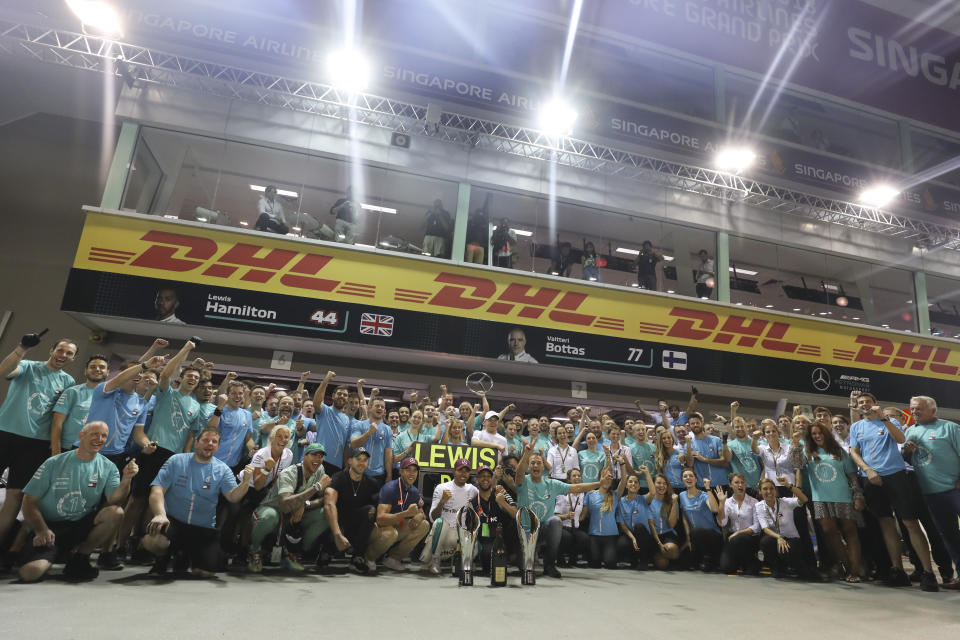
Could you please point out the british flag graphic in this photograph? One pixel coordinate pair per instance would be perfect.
(373, 324)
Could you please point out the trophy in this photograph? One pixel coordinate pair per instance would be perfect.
(468, 523)
(528, 544)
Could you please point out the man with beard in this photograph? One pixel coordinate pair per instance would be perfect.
(183, 499)
(298, 493)
(404, 413)
(539, 493)
(400, 519)
(377, 438)
(706, 451)
(496, 509)
(25, 416)
(70, 412)
(61, 507)
(349, 505)
(333, 425)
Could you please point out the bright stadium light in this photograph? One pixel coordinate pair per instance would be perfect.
(97, 15)
(879, 195)
(348, 69)
(735, 159)
(556, 117)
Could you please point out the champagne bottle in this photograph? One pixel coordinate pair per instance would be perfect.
(498, 560)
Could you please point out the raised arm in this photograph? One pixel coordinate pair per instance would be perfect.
(158, 344)
(132, 372)
(119, 495)
(522, 465)
(173, 366)
(236, 494)
(321, 391)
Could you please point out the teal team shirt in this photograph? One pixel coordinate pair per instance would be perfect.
(541, 497)
(709, 447)
(376, 445)
(744, 461)
(937, 458)
(634, 512)
(660, 523)
(203, 416)
(192, 488)
(602, 523)
(404, 439)
(828, 476)
(175, 416)
(235, 424)
(515, 446)
(876, 446)
(642, 455)
(74, 403)
(34, 391)
(68, 488)
(120, 410)
(698, 513)
(591, 464)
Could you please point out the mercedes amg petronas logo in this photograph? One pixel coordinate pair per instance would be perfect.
(820, 379)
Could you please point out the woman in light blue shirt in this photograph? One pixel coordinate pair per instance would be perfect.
(601, 504)
(663, 512)
(632, 518)
(670, 461)
(700, 521)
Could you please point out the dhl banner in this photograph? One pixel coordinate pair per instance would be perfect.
(245, 280)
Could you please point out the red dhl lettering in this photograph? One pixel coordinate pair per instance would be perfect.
(471, 292)
(915, 357)
(182, 253)
(698, 324)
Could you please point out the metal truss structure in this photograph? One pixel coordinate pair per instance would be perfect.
(139, 65)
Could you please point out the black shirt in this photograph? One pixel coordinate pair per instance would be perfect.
(490, 512)
(346, 213)
(352, 494)
(647, 263)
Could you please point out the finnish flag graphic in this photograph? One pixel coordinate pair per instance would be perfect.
(675, 360)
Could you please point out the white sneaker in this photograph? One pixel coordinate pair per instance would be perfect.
(435, 566)
(393, 564)
(372, 566)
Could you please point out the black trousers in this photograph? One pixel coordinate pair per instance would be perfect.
(627, 553)
(706, 546)
(574, 543)
(603, 550)
(740, 552)
(357, 525)
(266, 223)
(778, 562)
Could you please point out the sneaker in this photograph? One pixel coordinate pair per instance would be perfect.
(79, 569)
(928, 582)
(897, 578)
(159, 567)
(953, 585)
(393, 564)
(916, 576)
(552, 572)
(360, 566)
(110, 561)
(255, 562)
(435, 566)
(290, 562)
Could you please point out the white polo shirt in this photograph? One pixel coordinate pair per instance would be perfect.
(737, 517)
(778, 518)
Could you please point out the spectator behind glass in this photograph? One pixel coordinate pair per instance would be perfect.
(345, 210)
(591, 269)
(438, 226)
(478, 233)
(503, 239)
(270, 215)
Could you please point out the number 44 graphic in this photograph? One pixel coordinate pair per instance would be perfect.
(321, 317)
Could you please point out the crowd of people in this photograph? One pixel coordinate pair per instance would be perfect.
(153, 464)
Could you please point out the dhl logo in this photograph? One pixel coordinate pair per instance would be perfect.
(180, 254)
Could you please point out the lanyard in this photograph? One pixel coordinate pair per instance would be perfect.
(775, 516)
(400, 488)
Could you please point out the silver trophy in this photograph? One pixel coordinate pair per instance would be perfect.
(468, 523)
(528, 544)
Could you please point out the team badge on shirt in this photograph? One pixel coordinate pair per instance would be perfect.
(93, 481)
(206, 482)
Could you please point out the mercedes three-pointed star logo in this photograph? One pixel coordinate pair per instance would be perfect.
(820, 379)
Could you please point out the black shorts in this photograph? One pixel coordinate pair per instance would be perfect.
(118, 459)
(149, 468)
(895, 494)
(68, 534)
(201, 544)
(23, 456)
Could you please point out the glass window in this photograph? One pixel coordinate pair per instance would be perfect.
(809, 283)
(816, 124)
(229, 183)
(943, 298)
(562, 240)
(930, 150)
